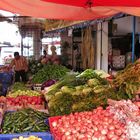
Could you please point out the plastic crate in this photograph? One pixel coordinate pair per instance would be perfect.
(6, 77)
(43, 135)
(5, 88)
(57, 136)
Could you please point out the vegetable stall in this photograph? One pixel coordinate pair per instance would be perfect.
(73, 106)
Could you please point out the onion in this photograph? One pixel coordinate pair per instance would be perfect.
(98, 124)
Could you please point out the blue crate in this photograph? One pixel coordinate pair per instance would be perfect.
(43, 135)
(5, 88)
(6, 77)
(6, 81)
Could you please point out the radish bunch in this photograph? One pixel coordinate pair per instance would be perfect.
(96, 125)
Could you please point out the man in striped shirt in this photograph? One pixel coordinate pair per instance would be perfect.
(21, 67)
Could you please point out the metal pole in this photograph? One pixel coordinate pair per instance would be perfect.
(101, 41)
(133, 38)
(21, 45)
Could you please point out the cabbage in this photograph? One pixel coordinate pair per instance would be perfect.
(93, 82)
(102, 73)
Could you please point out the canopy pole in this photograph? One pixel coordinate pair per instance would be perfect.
(21, 46)
(101, 42)
(133, 38)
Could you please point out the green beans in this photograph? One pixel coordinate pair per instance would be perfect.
(50, 72)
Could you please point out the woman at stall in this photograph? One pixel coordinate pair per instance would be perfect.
(54, 58)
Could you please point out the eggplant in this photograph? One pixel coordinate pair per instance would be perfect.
(48, 83)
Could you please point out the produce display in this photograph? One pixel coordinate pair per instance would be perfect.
(128, 80)
(49, 72)
(129, 113)
(25, 100)
(23, 93)
(18, 86)
(98, 124)
(83, 92)
(119, 121)
(25, 120)
(28, 138)
(86, 106)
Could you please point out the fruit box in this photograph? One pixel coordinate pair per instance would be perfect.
(43, 135)
(57, 136)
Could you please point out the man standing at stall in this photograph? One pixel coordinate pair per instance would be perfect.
(21, 67)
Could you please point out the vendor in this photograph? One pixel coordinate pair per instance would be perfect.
(54, 58)
(44, 54)
(21, 67)
(45, 57)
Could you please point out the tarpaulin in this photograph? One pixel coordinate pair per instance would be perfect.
(83, 3)
(71, 9)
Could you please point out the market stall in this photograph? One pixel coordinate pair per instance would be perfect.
(66, 105)
(78, 106)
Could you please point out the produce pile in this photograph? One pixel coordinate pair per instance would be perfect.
(119, 121)
(18, 86)
(23, 93)
(28, 138)
(98, 124)
(24, 101)
(48, 72)
(128, 80)
(19, 89)
(25, 120)
(128, 113)
(77, 93)
(20, 97)
(34, 66)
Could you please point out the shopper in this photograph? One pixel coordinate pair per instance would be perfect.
(20, 66)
